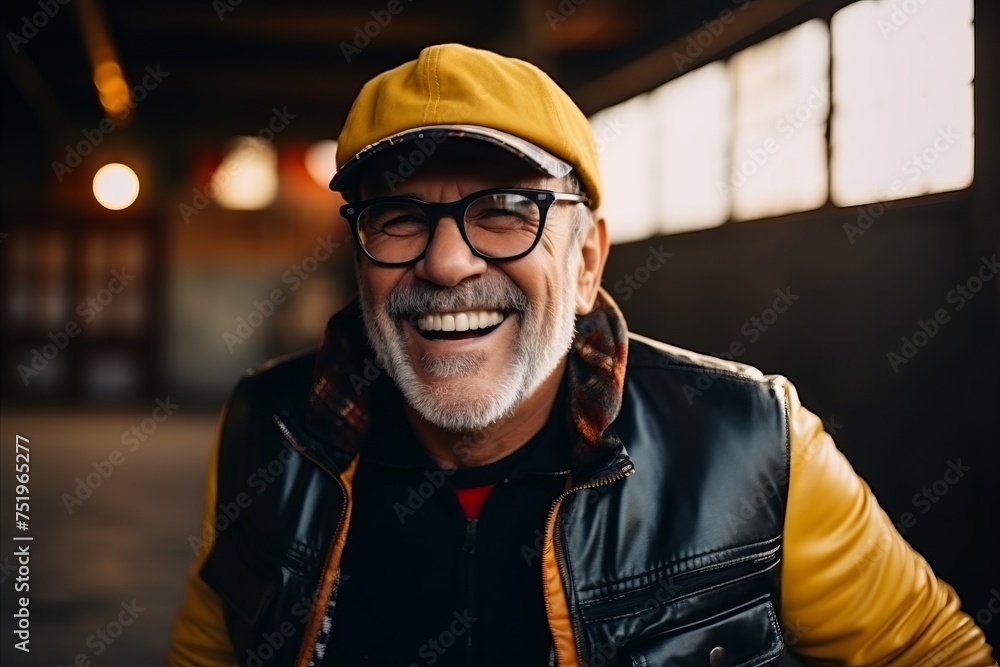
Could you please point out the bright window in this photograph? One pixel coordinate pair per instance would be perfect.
(747, 138)
(629, 168)
(903, 124)
(782, 102)
(692, 123)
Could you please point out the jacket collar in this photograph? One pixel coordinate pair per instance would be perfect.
(347, 384)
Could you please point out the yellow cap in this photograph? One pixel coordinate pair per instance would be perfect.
(454, 90)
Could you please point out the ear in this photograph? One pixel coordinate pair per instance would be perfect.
(594, 253)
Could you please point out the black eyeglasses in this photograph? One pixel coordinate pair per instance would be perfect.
(500, 223)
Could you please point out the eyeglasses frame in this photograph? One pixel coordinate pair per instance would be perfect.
(457, 210)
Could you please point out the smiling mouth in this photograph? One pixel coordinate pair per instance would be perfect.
(459, 325)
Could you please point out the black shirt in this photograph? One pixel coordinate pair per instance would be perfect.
(425, 581)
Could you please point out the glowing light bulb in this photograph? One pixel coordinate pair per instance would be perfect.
(116, 186)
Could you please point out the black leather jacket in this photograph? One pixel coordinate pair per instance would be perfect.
(666, 549)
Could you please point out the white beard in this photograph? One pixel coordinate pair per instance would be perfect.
(543, 338)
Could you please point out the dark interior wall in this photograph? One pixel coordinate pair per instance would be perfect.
(850, 304)
(901, 428)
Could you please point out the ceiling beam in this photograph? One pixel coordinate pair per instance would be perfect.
(302, 25)
(660, 66)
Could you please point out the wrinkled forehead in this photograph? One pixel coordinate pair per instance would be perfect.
(399, 170)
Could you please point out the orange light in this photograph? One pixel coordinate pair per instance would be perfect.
(321, 161)
(112, 89)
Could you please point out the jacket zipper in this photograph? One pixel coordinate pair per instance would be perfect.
(309, 642)
(621, 473)
(470, 549)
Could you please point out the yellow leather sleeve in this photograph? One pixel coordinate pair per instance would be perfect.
(199, 637)
(853, 591)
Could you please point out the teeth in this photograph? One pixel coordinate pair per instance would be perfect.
(464, 321)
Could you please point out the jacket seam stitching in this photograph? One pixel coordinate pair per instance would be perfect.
(678, 598)
(777, 647)
(672, 569)
(707, 370)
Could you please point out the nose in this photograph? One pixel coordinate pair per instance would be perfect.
(448, 260)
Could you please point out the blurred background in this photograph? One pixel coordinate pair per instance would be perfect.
(805, 186)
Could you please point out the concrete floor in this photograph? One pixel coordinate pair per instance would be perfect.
(127, 541)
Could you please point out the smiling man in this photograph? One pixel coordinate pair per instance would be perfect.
(527, 483)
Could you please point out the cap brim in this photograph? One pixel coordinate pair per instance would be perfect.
(535, 156)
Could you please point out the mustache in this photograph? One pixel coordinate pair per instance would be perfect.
(486, 292)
